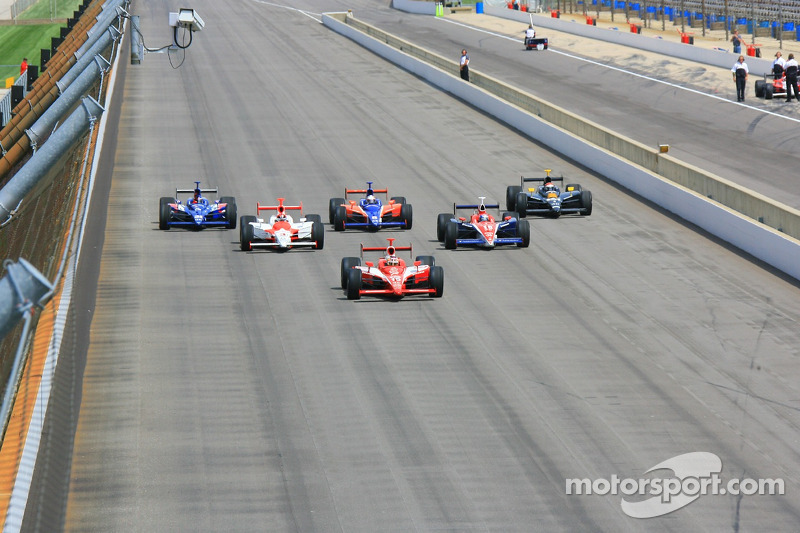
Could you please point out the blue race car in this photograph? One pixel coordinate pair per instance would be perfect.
(482, 229)
(548, 200)
(198, 212)
(369, 212)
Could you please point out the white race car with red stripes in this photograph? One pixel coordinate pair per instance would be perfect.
(281, 231)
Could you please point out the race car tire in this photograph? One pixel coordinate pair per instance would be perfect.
(769, 90)
(511, 196)
(246, 232)
(524, 232)
(334, 203)
(318, 234)
(437, 282)
(399, 199)
(426, 260)
(164, 212)
(230, 210)
(451, 235)
(760, 84)
(314, 218)
(586, 203)
(441, 225)
(406, 215)
(347, 265)
(339, 218)
(522, 204)
(575, 187)
(354, 284)
(512, 214)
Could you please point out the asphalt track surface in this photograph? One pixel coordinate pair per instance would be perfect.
(238, 391)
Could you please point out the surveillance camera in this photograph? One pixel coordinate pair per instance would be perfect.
(187, 18)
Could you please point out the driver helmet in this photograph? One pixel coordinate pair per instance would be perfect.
(196, 196)
(281, 215)
(371, 199)
(392, 260)
(484, 217)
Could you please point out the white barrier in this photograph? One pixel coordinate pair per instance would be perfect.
(413, 6)
(767, 244)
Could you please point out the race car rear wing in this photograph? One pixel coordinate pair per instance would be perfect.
(196, 187)
(388, 250)
(365, 191)
(280, 207)
(483, 206)
(523, 180)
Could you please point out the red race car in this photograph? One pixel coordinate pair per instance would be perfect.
(390, 275)
(281, 231)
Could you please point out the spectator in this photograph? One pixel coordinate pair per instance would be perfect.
(740, 72)
(516, 5)
(464, 65)
(23, 66)
(791, 78)
(737, 42)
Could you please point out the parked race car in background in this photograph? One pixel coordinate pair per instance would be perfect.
(281, 231)
(548, 200)
(369, 212)
(391, 276)
(535, 43)
(771, 86)
(481, 228)
(198, 212)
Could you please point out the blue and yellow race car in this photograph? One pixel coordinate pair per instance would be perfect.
(548, 200)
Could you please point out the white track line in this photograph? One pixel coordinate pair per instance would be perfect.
(642, 76)
(290, 8)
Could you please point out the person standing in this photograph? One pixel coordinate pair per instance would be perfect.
(740, 73)
(464, 65)
(778, 66)
(737, 42)
(791, 78)
(23, 66)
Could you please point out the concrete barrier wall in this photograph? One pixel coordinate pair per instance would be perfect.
(414, 6)
(767, 244)
(576, 25)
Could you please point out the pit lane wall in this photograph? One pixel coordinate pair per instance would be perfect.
(712, 203)
(415, 6)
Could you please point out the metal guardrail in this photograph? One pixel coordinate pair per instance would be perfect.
(5, 103)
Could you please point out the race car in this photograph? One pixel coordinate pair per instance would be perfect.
(482, 229)
(369, 212)
(535, 43)
(548, 200)
(281, 231)
(769, 89)
(391, 276)
(198, 212)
